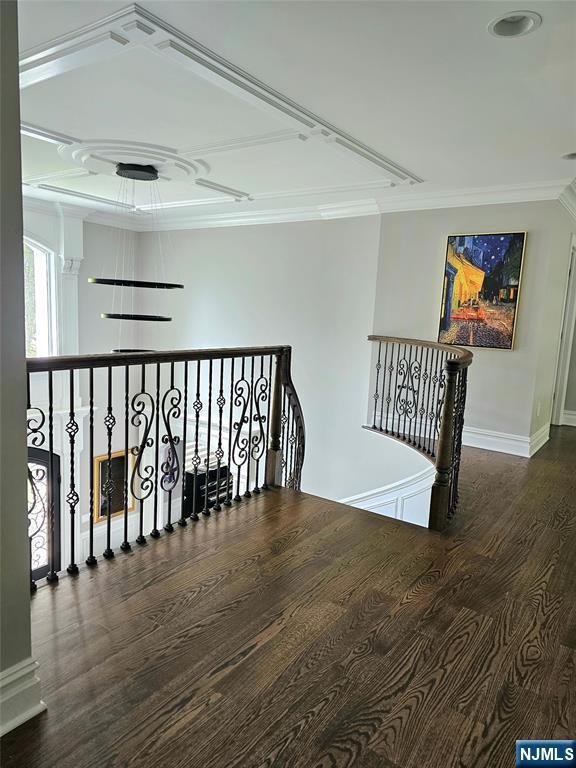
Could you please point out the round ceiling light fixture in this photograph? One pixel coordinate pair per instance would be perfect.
(515, 24)
(137, 172)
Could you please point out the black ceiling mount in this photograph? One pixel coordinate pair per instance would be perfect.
(150, 318)
(133, 283)
(137, 172)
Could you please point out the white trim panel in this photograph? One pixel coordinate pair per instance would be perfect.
(569, 418)
(20, 698)
(407, 500)
(504, 442)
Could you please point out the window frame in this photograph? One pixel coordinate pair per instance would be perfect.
(52, 291)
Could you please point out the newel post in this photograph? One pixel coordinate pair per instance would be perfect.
(440, 501)
(274, 456)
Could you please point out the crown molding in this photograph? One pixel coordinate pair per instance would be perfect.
(568, 198)
(473, 196)
(375, 201)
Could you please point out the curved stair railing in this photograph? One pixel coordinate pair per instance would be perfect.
(419, 398)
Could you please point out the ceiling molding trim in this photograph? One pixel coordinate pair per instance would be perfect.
(463, 198)
(45, 134)
(568, 198)
(176, 217)
(52, 208)
(135, 26)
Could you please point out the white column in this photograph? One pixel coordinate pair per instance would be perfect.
(71, 253)
(19, 685)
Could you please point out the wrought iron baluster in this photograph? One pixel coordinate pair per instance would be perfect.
(391, 370)
(240, 447)
(407, 397)
(258, 441)
(220, 402)
(52, 575)
(197, 405)
(425, 378)
(285, 451)
(141, 483)
(376, 394)
(125, 545)
(384, 377)
(247, 493)
(432, 411)
(182, 521)
(155, 533)
(265, 485)
(91, 559)
(109, 487)
(230, 480)
(171, 411)
(72, 496)
(206, 510)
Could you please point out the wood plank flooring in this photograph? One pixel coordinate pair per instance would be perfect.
(291, 631)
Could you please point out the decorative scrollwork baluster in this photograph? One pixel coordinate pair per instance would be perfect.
(265, 485)
(258, 441)
(141, 483)
(37, 517)
(171, 411)
(240, 448)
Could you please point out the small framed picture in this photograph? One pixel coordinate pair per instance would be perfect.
(111, 478)
(482, 278)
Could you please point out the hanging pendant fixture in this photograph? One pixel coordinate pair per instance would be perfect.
(141, 173)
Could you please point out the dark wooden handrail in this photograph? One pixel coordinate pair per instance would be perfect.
(463, 355)
(419, 399)
(114, 359)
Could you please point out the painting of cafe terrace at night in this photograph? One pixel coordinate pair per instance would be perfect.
(481, 288)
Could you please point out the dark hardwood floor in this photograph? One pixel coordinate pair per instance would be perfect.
(294, 631)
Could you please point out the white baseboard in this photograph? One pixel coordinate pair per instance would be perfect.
(19, 695)
(569, 418)
(407, 499)
(504, 442)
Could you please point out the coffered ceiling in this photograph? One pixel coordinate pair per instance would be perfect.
(338, 109)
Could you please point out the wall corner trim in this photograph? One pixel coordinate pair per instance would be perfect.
(20, 698)
(569, 418)
(504, 442)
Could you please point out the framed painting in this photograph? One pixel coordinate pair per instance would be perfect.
(117, 467)
(482, 278)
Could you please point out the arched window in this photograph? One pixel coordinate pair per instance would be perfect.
(39, 300)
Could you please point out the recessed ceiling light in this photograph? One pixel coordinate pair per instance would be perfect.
(569, 156)
(515, 24)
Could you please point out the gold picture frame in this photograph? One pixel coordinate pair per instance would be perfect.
(99, 512)
(481, 291)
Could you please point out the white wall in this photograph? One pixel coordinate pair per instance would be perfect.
(509, 391)
(310, 285)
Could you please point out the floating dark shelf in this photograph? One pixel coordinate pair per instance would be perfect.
(133, 283)
(124, 351)
(118, 316)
